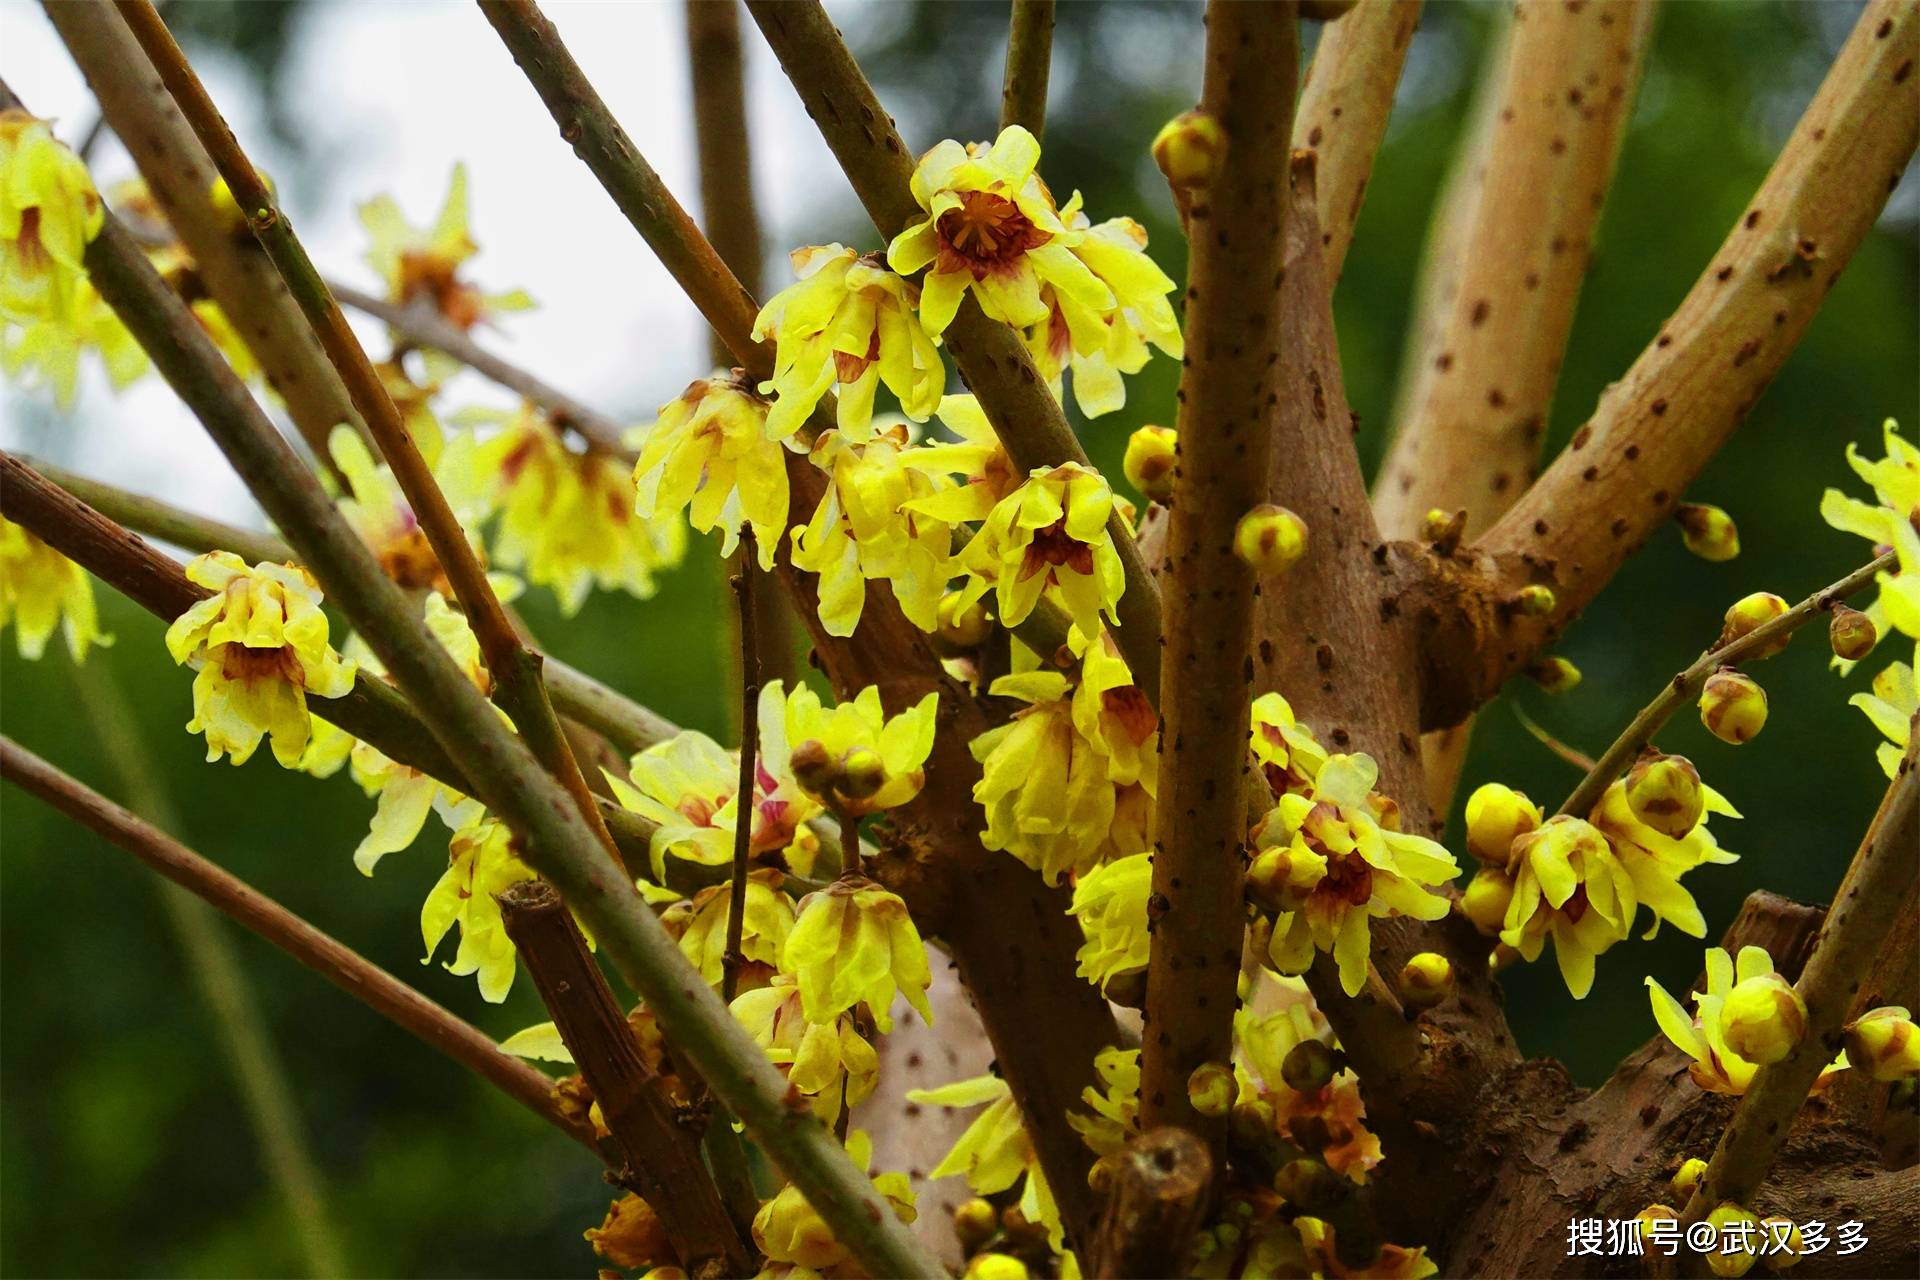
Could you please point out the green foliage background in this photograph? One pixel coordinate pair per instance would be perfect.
(121, 1150)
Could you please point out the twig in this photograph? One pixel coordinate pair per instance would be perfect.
(1023, 90)
(1686, 686)
(1227, 392)
(662, 1156)
(1159, 1199)
(1863, 910)
(1343, 110)
(340, 965)
(732, 959)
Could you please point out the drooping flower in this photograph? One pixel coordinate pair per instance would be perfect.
(789, 1230)
(1717, 1067)
(853, 756)
(482, 860)
(631, 1236)
(1110, 901)
(1115, 1105)
(1049, 537)
(1347, 862)
(713, 453)
(419, 263)
(1289, 755)
(260, 646)
(49, 213)
(700, 923)
(995, 1151)
(1891, 706)
(567, 519)
(1568, 885)
(379, 512)
(1328, 1117)
(854, 943)
(991, 227)
(1046, 790)
(977, 462)
(46, 350)
(1655, 861)
(40, 589)
(1890, 523)
(830, 1063)
(848, 323)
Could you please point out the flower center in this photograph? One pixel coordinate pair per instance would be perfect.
(240, 663)
(1349, 878)
(984, 233)
(1053, 546)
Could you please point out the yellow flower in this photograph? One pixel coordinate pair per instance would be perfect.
(47, 349)
(830, 1063)
(1288, 754)
(712, 452)
(977, 460)
(1568, 885)
(991, 226)
(381, 515)
(1497, 815)
(1883, 1041)
(1891, 706)
(40, 589)
(848, 321)
(567, 519)
(1656, 861)
(862, 760)
(1046, 790)
(1717, 1067)
(1394, 1262)
(482, 860)
(854, 943)
(688, 786)
(424, 263)
(1347, 863)
(260, 646)
(1115, 1118)
(1331, 1115)
(862, 529)
(994, 1152)
(788, 1229)
(1110, 902)
(1049, 536)
(49, 213)
(1890, 525)
(701, 923)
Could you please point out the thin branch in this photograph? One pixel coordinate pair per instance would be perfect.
(1023, 90)
(1343, 110)
(1863, 911)
(662, 1156)
(743, 591)
(338, 964)
(1228, 390)
(1686, 686)
(1659, 425)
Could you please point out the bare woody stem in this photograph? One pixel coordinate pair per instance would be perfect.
(1863, 912)
(1031, 424)
(1227, 393)
(338, 964)
(1159, 1200)
(1023, 90)
(744, 808)
(1343, 110)
(1686, 686)
(514, 667)
(662, 1156)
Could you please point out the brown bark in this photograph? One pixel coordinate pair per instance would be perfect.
(1159, 1199)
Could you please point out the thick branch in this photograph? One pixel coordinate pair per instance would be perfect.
(1664, 420)
(1228, 390)
(1023, 90)
(1159, 1199)
(1343, 110)
(338, 964)
(662, 1157)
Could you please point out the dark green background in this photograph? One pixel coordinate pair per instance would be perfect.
(121, 1151)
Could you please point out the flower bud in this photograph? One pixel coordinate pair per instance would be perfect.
(1779, 1229)
(1555, 675)
(1250, 1123)
(974, 1223)
(1271, 539)
(1535, 600)
(1884, 1043)
(1665, 793)
(1497, 815)
(813, 768)
(1748, 614)
(1211, 1089)
(1426, 980)
(1687, 1177)
(1732, 706)
(1190, 149)
(1101, 1173)
(1444, 529)
(862, 772)
(1149, 461)
(996, 1266)
(236, 222)
(960, 628)
(1656, 1213)
(1708, 531)
(1738, 1252)
(1309, 1065)
(1485, 901)
(1763, 1018)
(1269, 881)
(1851, 633)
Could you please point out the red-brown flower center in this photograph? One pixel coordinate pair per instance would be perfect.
(1052, 547)
(985, 233)
(238, 662)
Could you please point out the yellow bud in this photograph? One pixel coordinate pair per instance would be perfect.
(1665, 793)
(1190, 149)
(959, 628)
(1148, 464)
(1775, 1230)
(1497, 815)
(1687, 1177)
(1426, 980)
(1763, 1018)
(1656, 1213)
(813, 768)
(1228, 1235)
(1443, 529)
(1211, 1088)
(1748, 614)
(862, 772)
(1555, 675)
(1737, 1253)
(974, 1223)
(1485, 901)
(996, 1266)
(1100, 1174)
(1884, 1043)
(1732, 706)
(1852, 633)
(1309, 1065)
(1708, 531)
(1250, 1123)
(1535, 601)
(1271, 539)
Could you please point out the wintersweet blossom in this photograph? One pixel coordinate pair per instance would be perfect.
(380, 513)
(46, 350)
(1656, 861)
(787, 1229)
(850, 324)
(995, 1152)
(1049, 537)
(260, 646)
(419, 263)
(1330, 1117)
(1289, 755)
(1569, 886)
(49, 213)
(855, 944)
(701, 924)
(1113, 1116)
(1110, 902)
(976, 461)
(991, 227)
(1717, 1067)
(1891, 706)
(1047, 791)
(41, 590)
(712, 453)
(829, 1063)
(1890, 523)
(853, 756)
(482, 860)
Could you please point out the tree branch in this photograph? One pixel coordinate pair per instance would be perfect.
(1023, 90)
(1232, 380)
(338, 964)
(1159, 1200)
(743, 591)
